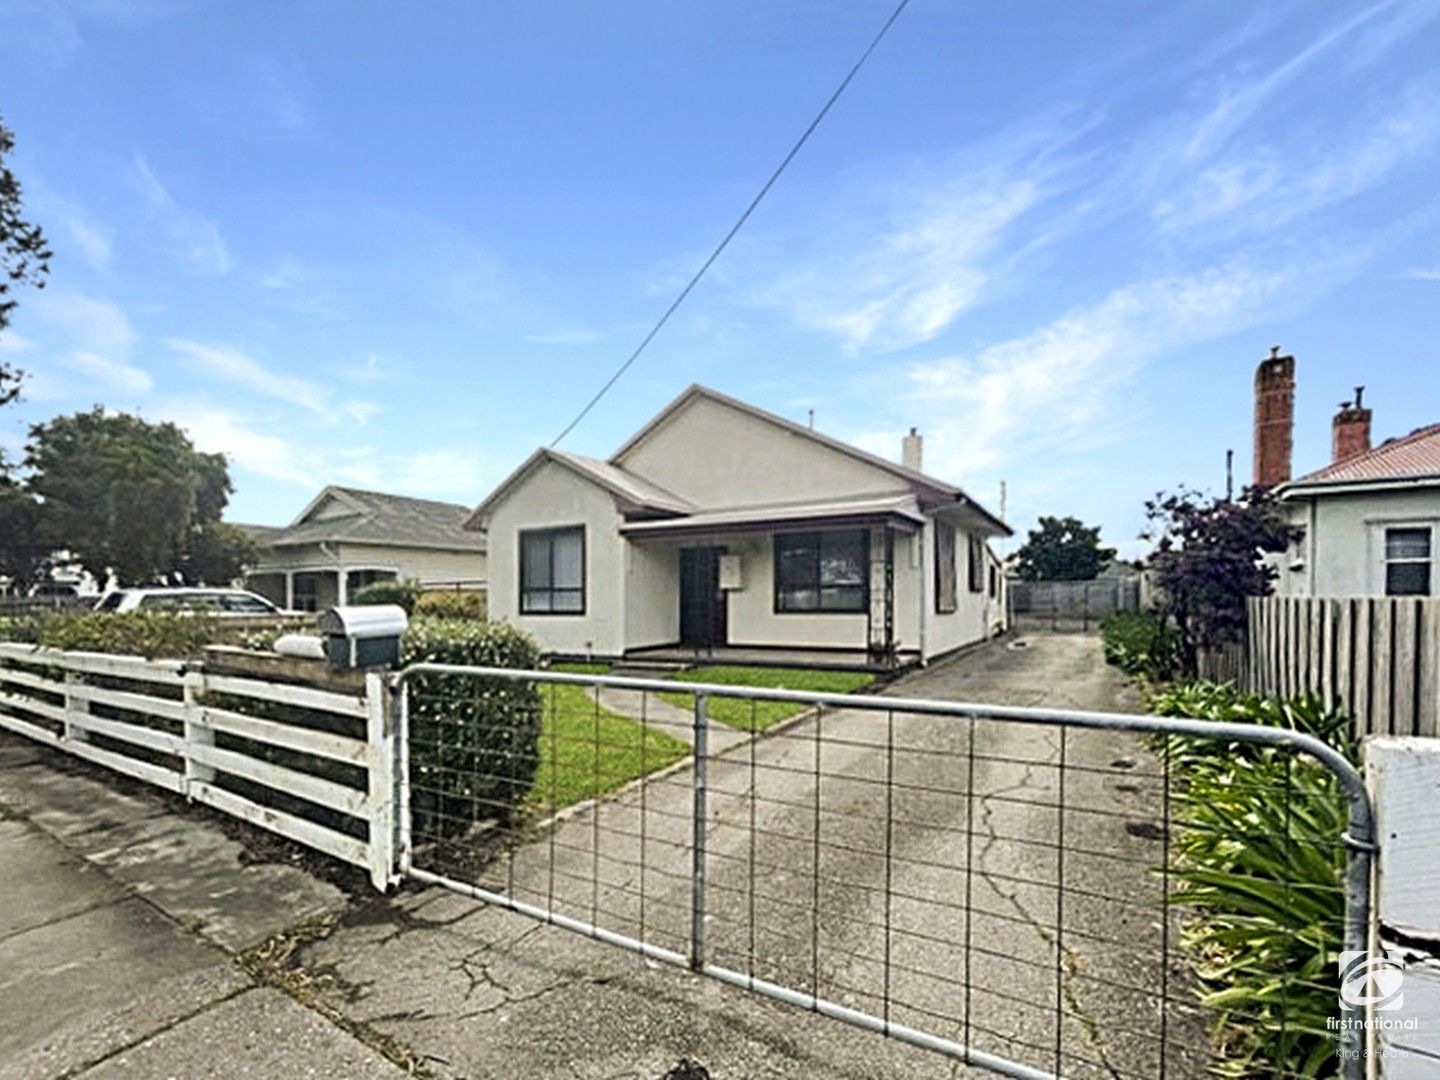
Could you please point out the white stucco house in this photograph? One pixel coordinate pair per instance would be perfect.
(346, 538)
(1366, 524)
(722, 530)
(1369, 525)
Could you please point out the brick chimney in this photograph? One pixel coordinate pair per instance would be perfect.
(912, 449)
(1274, 418)
(1351, 429)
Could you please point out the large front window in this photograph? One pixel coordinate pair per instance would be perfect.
(1407, 561)
(822, 571)
(552, 571)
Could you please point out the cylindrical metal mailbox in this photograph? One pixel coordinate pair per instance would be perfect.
(364, 635)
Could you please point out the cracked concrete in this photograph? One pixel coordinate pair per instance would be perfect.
(117, 919)
(1036, 933)
(797, 874)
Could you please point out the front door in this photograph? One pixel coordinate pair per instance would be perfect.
(702, 604)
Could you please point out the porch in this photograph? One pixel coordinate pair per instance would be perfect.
(770, 656)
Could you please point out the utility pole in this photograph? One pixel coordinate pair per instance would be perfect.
(1229, 475)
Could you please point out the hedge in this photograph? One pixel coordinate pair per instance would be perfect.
(149, 634)
(475, 743)
(1140, 644)
(402, 593)
(451, 605)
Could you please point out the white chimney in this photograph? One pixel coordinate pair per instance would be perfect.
(911, 448)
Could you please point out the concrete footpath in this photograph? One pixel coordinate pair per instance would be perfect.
(121, 920)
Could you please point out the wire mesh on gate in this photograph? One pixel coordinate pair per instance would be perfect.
(1029, 891)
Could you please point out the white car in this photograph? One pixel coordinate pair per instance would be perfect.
(197, 600)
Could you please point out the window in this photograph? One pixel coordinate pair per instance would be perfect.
(824, 572)
(1407, 561)
(358, 579)
(245, 604)
(994, 583)
(306, 595)
(946, 600)
(111, 602)
(977, 564)
(552, 571)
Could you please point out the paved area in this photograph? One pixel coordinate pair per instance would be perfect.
(477, 991)
(119, 918)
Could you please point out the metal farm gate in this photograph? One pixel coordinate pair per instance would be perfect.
(994, 884)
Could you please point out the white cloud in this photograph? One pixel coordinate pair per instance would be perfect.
(218, 431)
(1423, 273)
(1264, 187)
(1050, 390)
(68, 219)
(565, 337)
(236, 367)
(194, 237)
(86, 322)
(13, 344)
(933, 261)
(1245, 100)
(456, 473)
(120, 375)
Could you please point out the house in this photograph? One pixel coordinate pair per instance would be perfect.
(347, 538)
(721, 529)
(1367, 523)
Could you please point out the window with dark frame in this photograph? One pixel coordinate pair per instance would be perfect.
(552, 571)
(946, 600)
(822, 572)
(977, 564)
(994, 582)
(1408, 561)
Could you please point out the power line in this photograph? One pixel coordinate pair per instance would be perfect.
(739, 223)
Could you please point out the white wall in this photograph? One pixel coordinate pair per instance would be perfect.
(425, 565)
(553, 496)
(754, 620)
(652, 594)
(968, 622)
(1344, 547)
(718, 456)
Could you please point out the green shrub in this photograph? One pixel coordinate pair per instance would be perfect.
(403, 593)
(149, 634)
(1259, 863)
(451, 605)
(475, 743)
(1140, 644)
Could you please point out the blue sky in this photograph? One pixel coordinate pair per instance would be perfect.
(400, 246)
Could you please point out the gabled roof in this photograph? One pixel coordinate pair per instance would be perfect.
(374, 517)
(636, 496)
(931, 485)
(1415, 458)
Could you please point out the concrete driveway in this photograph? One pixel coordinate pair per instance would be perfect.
(1048, 951)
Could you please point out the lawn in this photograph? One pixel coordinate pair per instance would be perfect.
(586, 751)
(759, 715)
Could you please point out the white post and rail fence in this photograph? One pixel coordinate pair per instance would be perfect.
(314, 765)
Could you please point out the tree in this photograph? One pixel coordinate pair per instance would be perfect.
(22, 555)
(1063, 549)
(24, 256)
(1208, 562)
(137, 499)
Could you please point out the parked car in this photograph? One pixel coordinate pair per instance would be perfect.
(205, 601)
(54, 590)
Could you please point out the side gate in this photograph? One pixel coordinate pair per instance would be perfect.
(1006, 887)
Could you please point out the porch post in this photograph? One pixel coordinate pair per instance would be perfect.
(289, 590)
(342, 587)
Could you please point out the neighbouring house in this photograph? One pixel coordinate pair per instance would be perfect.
(721, 529)
(1368, 523)
(346, 539)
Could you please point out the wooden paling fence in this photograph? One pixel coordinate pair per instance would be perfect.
(312, 765)
(1377, 658)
